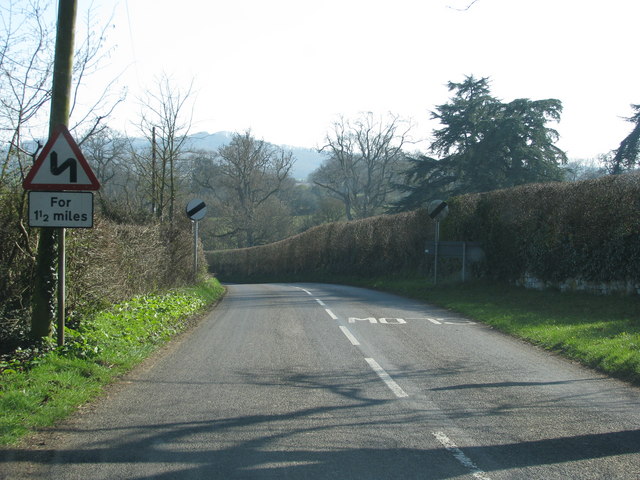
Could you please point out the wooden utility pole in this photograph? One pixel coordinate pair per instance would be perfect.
(153, 171)
(43, 310)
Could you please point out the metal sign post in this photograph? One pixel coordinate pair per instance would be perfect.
(435, 259)
(196, 210)
(195, 250)
(438, 210)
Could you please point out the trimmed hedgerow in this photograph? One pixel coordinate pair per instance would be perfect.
(383, 244)
(556, 231)
(106, 264)
(112, 262)
(585, 231)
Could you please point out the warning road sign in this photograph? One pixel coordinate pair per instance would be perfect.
(61, 166)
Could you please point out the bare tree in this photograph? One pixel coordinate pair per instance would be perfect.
(106, 151)
(245, 177)
(365, 155)
(26, 66)
(165, 123)
(120, 196)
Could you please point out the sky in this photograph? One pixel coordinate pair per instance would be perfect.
(288, 69)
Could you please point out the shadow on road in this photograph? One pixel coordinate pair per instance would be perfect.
(327, 440)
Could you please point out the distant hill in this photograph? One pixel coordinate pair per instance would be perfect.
(307, 159)
(208, 141)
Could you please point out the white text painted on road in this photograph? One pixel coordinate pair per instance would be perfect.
(367, 319)
(392, 321)
(385, 321)
(442, 321)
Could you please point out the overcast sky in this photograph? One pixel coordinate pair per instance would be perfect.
(288, 68)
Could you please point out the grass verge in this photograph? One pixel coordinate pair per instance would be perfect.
(106, 345)
(602, 332)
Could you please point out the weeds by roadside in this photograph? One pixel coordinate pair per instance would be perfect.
(41, 386)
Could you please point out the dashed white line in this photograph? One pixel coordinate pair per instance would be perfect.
(459, 455)
(446, 442)
(349, 335)
(384, 376)
(331, 314)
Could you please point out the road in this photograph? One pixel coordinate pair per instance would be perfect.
(332, 382)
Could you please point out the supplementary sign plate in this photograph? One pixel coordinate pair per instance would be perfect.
(61, 209)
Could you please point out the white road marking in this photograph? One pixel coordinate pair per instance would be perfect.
(384, 376)
(386, 321)
(448, 444)
(442, 321)
(349, 335)
(432, 320)
(459, 455)
(367, 319)
(392, 321)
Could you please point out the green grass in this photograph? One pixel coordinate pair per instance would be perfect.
(602, 332)
(105, 346)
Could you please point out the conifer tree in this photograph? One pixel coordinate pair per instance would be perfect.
(485, 144)
(627, 155)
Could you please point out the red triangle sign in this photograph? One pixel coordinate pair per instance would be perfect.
(61, 166)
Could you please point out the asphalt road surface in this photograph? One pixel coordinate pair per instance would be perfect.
(332, 382)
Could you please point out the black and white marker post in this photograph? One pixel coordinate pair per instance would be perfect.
(438, 210)
(196, 210)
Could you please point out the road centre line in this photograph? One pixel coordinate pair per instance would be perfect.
(397, 390)
(459, 455)
(304, 290)
(331, 314)
(384, 376)
(349, 335)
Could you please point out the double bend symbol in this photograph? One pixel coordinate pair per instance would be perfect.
(69, 163)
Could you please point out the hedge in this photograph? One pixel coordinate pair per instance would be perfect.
(557, 233)
(586, 230)
(106, 264)
(363, 247)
